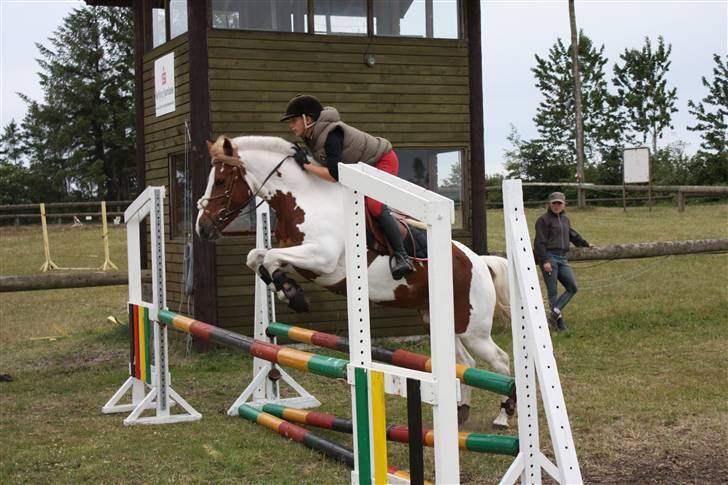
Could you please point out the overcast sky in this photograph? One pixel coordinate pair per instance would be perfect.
(513, 31)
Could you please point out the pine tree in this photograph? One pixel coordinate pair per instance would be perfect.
(710, 164)
(641, 84)
(11, 148)
(555, 119)
(80, 137)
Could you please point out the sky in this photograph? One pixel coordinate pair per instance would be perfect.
(513, 32)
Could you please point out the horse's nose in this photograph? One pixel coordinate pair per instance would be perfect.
(208, 232)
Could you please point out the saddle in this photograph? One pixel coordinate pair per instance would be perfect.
(414, 238)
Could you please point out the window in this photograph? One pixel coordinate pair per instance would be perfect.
(180, 200)
(177, 17)
(169, 20)
(273, 15)
(410, 18)
(416, 18)
(244, 223)
(436, 169)
(159, 27)
(340, 17)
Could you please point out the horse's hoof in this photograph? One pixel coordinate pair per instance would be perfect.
(298, 303)
(463, 413)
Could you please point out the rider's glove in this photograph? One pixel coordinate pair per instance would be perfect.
(300, 156)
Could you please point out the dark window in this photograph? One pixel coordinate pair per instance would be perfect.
(181, 211)
(436, 169)
(273, 15)
(439, 19)
(243, 224)
(417, 18)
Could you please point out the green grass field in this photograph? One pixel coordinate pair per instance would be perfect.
(644, 372)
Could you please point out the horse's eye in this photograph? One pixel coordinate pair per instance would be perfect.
(220, 182)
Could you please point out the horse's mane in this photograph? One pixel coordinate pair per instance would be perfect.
(264, 143)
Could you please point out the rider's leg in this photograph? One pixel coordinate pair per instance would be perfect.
(400, 263)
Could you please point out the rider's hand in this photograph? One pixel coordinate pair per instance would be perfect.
(547, 267)
(300, 157)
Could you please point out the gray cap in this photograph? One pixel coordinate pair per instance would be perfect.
(557, 196)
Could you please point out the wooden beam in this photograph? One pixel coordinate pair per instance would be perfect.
(54, 281)
(645, 250)
(205, 269)
(477, 143)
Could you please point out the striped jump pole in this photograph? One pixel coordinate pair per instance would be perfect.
(306, 361)
(307, 438)
(472, 376)
(477, 442)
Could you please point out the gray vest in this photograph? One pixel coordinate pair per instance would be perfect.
(358, 145)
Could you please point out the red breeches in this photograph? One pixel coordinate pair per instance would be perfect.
(388, 163)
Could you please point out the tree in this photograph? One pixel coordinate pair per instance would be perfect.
(532, 160)
(710, 164)
(11, 148)
(80, 137)
(713, 119)
(641, 85)
(555, 116)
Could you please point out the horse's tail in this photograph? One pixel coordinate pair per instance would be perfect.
(499, 271)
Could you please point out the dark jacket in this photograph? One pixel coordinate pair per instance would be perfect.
(553, 234)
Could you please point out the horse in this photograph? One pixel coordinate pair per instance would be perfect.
(310, 235)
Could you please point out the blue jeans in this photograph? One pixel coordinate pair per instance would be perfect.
(560, 272)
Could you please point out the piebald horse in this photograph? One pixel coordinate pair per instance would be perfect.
(310, 234)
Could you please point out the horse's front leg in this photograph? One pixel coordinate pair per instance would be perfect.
(255, 262)
(309, 257)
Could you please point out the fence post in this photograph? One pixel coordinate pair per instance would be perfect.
(681, 201)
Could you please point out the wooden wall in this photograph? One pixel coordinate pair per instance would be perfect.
(416, 95)
(164, 136)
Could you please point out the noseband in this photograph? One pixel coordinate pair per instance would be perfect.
(225, 215)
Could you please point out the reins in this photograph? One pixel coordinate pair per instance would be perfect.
(226, 214)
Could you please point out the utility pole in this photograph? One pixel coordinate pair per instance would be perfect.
(577, 106)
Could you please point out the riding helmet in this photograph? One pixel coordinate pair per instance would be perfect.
(303, 104)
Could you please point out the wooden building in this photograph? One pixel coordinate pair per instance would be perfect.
(407, 70)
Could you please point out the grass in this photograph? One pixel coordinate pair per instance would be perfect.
(644, 371)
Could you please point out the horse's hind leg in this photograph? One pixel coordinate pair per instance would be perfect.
(462, 356)
(486, 349)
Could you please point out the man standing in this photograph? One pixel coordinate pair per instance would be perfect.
(553, 234)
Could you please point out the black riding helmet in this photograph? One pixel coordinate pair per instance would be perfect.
(303, 104)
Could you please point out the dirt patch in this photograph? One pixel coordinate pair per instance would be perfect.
(701, 463)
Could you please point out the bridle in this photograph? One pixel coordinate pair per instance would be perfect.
(225, 215)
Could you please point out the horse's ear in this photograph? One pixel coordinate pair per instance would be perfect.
(209, 147)
(227, 147)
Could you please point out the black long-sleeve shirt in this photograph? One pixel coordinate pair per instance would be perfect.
(334, 146)
(553, 234)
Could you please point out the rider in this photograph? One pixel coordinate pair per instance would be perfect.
(331, 141)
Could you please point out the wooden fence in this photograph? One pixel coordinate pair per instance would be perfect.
(679, 192)
(59, 211)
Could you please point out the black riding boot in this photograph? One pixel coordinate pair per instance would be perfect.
(399, 263)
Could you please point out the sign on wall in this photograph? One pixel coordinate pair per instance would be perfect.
(164, 84)
(636, 166)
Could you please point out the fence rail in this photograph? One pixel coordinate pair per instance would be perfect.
(59, 210)
(681, 192)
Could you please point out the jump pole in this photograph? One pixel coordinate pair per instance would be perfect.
(477, 442)
(472, 376)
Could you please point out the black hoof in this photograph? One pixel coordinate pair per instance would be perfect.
(463, 413)
(298, 303)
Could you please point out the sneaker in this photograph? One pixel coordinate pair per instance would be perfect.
(400, 265)
(560, 325)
